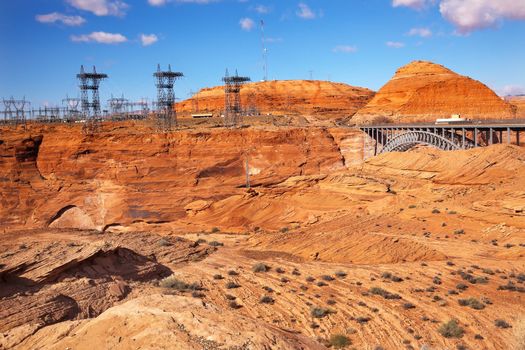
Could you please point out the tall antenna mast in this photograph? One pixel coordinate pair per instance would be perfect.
(264, 53)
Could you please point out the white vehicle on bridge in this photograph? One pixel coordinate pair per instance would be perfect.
(454, 119)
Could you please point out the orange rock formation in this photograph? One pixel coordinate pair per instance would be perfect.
(423, 91)
(519, 103)
(307, 97)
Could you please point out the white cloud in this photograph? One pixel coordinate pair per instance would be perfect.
(422, 32)
(345, 49)
(305, 12)
(415, 4)
(101, 7)
(395, 44)
(247, 24)
(262, 9)
(100, 37)
(469, 15)
(511, 90)
(157, 2)
(59, 17)
(148, 39)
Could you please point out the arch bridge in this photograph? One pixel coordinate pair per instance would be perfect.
(402, 137)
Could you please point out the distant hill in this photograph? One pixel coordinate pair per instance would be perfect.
(423, 91)
(306, 97)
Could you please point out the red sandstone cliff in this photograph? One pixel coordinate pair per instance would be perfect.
(423, 91)
(519, 103)
(307, 97)
(123, 178)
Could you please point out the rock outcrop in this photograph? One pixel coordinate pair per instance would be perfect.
(124, 179)
(424, 91)
(519, 103)
(306, 97)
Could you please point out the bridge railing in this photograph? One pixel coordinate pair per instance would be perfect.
(471, 123)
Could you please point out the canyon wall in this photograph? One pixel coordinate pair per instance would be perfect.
(56, 176)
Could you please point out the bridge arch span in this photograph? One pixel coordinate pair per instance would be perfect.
(409, 139)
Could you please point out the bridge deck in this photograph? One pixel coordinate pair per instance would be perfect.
(401, 137)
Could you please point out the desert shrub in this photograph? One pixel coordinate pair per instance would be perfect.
(266, 300)
(215, 230)
(435, 211)
(407, 306)
(339, 341)
(396, 279)
(459, 231)
(320, 312)
(327, 278)
(230, 297)
(412, 206)
(488, 271)
(215, 244)
(321, 284)
(341, 274)
(386, 275)
(451, 329)
(450, 263)
(284, 229)
(268, 289)
(310, 279)
(501, 324)
(232, 285)
(452, 212)
(461, 286)
(163, 242)
(233, 273)
(197, 294)
(218, 277)
(234, 305)
(260, 267)
(172, 282)
(362, 319)
(472, 302)
(384, 293)
(478, 337)
(284, 280)
(280, 270)
(296, 272)
(331, 302)
(200, 241)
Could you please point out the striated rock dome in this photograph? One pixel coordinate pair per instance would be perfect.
(423, 91)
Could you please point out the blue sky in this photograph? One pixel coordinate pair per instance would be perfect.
(359, 42)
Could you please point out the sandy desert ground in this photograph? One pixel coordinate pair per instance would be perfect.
(378, 255)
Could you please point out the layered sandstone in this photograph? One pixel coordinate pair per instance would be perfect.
(391, 248)
(519, 103)
(424, 91)
(138, 178)
(305, 97)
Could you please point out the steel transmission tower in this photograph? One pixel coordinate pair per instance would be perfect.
(90, 82)
(166, 114)
(232, 98)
